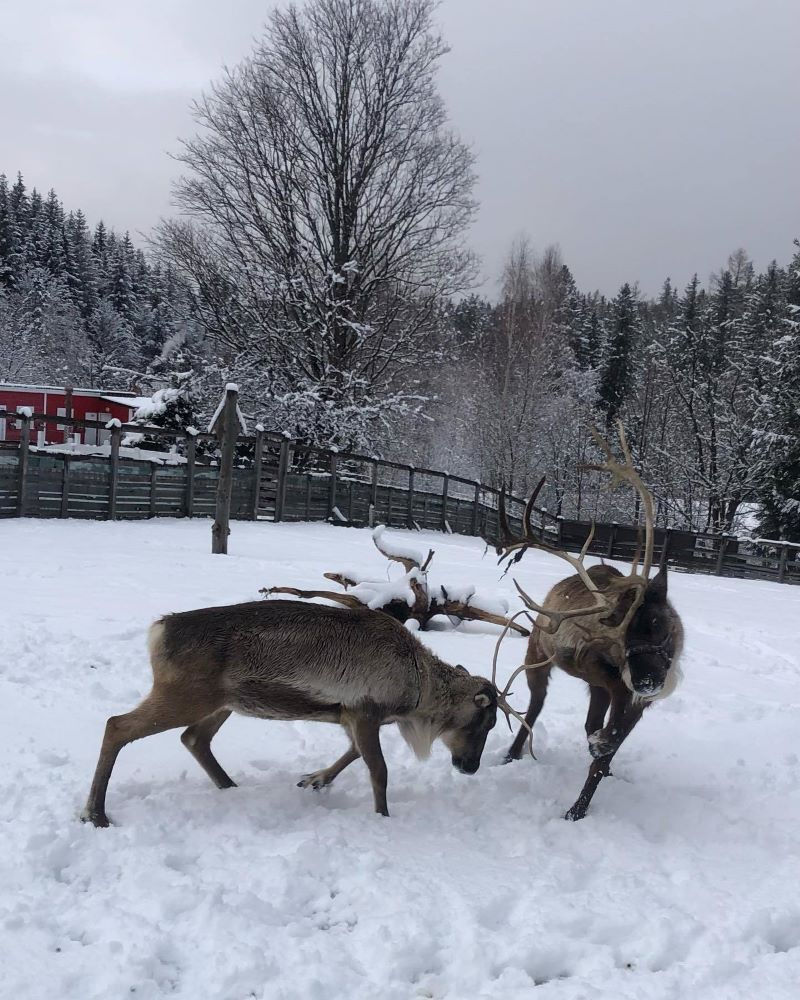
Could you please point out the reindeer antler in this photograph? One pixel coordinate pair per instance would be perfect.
(529, 540)
(502, 696)
(604, 602)
(625, 472)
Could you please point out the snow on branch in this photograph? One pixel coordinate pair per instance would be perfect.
(410, 598)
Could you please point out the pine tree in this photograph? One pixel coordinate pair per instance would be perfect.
(172, 408)
(623, 330)
(5, 233)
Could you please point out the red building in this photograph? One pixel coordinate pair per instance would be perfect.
(85, 404)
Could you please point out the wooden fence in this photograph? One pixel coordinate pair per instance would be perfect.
(278, 479)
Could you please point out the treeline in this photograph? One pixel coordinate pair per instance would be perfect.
(705, 379)
(320, 259)
(79, 305)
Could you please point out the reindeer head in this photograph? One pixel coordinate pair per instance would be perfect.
(652, 644)
(474, 716)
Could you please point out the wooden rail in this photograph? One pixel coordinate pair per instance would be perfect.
(276, 478)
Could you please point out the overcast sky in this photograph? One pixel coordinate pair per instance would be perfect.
(646, 138)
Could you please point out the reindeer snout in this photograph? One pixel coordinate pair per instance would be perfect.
(465, 765)
(648, 687)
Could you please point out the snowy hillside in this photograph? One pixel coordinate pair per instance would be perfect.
(681, 882)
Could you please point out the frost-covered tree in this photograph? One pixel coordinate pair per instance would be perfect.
(778, 426)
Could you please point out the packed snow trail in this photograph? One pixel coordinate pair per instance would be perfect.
(681, 883)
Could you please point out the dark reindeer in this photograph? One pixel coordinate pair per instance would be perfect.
(617, 633)
(291, 661)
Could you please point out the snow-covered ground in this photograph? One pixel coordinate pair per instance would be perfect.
(681, 883)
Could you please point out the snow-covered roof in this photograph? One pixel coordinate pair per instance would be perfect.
(104, 393)
(133, 401)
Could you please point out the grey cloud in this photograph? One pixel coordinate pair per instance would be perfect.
(646, 139)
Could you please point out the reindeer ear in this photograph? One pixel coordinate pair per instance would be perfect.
(482, 700)
(657, 587)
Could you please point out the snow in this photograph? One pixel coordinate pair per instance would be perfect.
(396, 545)
(156, 405)
(377, 594)
(221, 407)
(468, 594)
(681, 883)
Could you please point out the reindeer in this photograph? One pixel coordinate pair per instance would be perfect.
(291, 661)
(616, 632)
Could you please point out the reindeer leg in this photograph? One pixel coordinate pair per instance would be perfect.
(599, 700)
(197, 740)
(319, 779)
(537, 682)
(619, 727)
(366, 736)
(164, 708)
(605, 740)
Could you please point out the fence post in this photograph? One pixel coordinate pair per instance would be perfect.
(373, 494)
(116, 439)
(153, 473)
(24, 455)
(191, 459)
(476, 504)
(228, 422)
(65, 487)
(611, 539)
(283, 473)
(410, 509)
(332, 484)
(723, 545)
(560, 530)
(782, 562)
(662, 563)
(445, 488)
(257, 460)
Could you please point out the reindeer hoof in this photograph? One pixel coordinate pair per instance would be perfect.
(98, 819)
(575, 813)
(317, 779)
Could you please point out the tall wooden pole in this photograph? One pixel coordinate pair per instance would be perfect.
(228, 422)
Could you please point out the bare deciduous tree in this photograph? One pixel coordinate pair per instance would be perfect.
(325, 203)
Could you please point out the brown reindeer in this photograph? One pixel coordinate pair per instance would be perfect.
(288, 660)
(616, 632)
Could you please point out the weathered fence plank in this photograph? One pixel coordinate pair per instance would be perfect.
(191, 459)
(283, 475)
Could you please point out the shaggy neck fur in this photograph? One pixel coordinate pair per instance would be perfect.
(440, 687)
